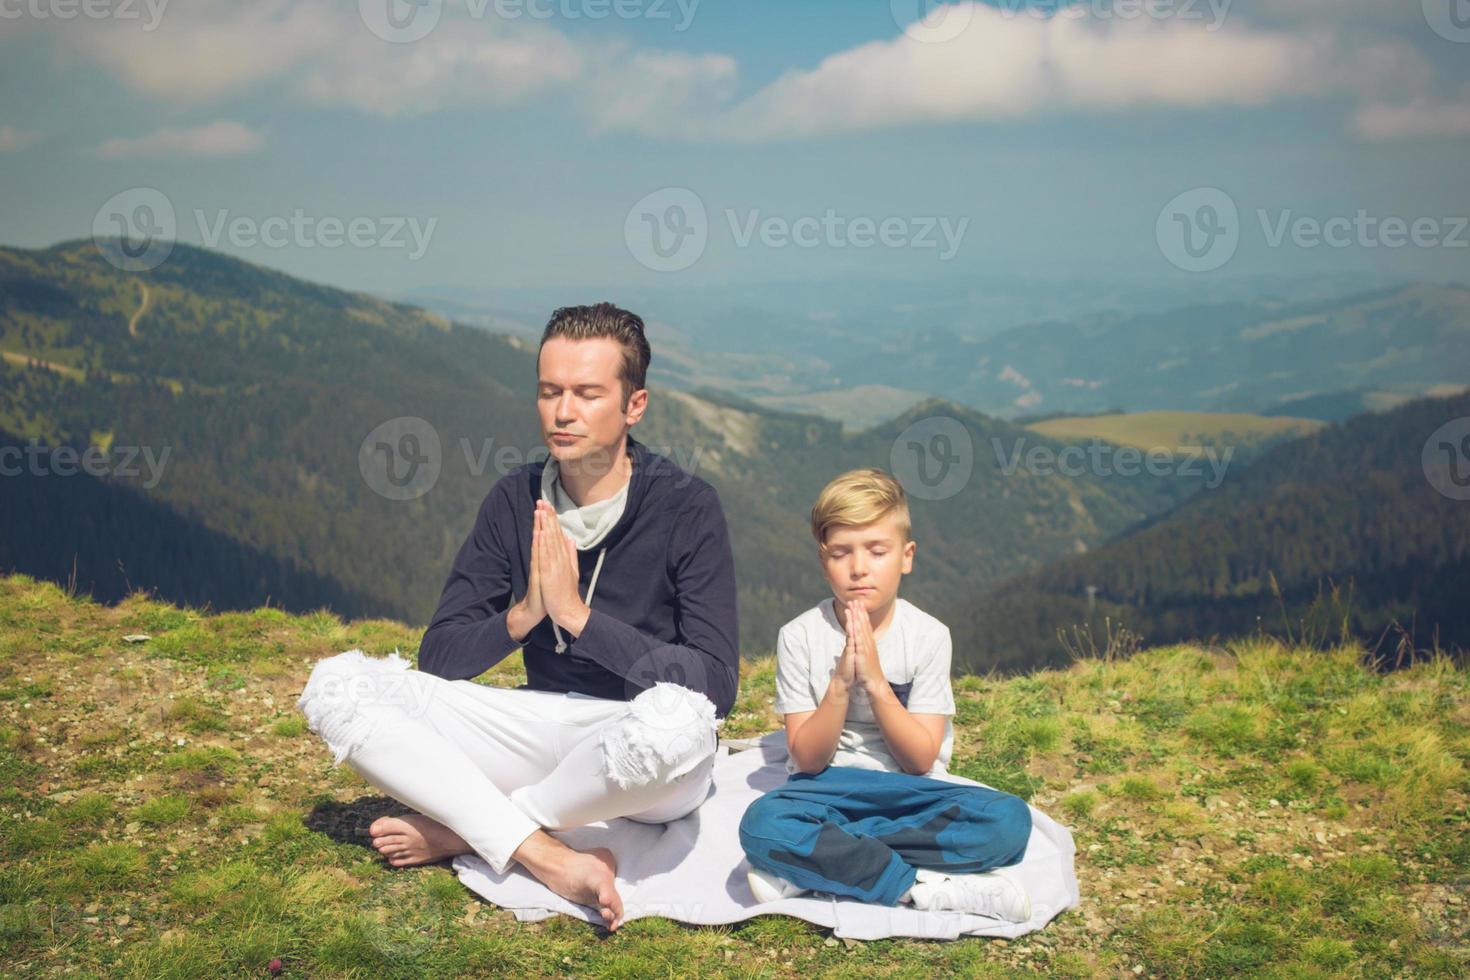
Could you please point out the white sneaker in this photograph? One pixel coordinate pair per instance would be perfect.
(997, 893)
(766, 887)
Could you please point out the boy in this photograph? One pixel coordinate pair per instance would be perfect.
(863, 682)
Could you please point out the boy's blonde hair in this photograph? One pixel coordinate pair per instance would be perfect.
(857, 498)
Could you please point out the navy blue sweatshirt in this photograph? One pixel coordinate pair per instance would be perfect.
(663, 609)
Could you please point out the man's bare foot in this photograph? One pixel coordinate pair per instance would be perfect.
(415, 839)
(585, 877)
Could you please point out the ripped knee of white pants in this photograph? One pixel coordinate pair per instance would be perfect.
(668, 731)
(348, 696)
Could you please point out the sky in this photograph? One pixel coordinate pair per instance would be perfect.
(394, 145)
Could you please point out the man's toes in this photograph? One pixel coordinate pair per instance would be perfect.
(611, 903)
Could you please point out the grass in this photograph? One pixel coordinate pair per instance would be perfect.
(1250, 809)
(1176, 431)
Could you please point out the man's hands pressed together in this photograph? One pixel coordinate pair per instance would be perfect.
(551, 587)
(558, 557)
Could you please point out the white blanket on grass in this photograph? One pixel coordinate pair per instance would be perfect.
(693, 869)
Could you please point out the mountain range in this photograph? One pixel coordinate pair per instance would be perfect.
(274, 407)
(270, 396)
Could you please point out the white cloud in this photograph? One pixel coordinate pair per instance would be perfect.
(475, 66)
(1419, 119)
(1337, 12)
(209, 49)
(12, 139)
(218, 139)
(1003, 66)
(322, 54)
(628, 90)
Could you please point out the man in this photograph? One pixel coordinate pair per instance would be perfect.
(627, 621)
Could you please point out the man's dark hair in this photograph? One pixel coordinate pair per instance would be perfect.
(606, 320)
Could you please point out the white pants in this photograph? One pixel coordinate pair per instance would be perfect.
(494, 764)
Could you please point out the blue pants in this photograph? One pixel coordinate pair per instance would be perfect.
(862, 832)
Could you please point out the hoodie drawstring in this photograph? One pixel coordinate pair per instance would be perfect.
(561, 643)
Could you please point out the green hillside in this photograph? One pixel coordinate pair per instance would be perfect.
(263, 388)
(1342, 528)
(1209, 357)
(1249, 809)
(1180, 432)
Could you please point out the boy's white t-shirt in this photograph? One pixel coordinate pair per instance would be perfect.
(915, 652)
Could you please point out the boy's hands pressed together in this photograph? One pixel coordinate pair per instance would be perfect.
(845, 677)
(812, 736)
(913, 739)
(867, 667)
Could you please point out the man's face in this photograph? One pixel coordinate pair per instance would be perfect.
(578, 393)
(867, 562)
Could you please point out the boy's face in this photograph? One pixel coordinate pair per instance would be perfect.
(579, 393)
(867, 562)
